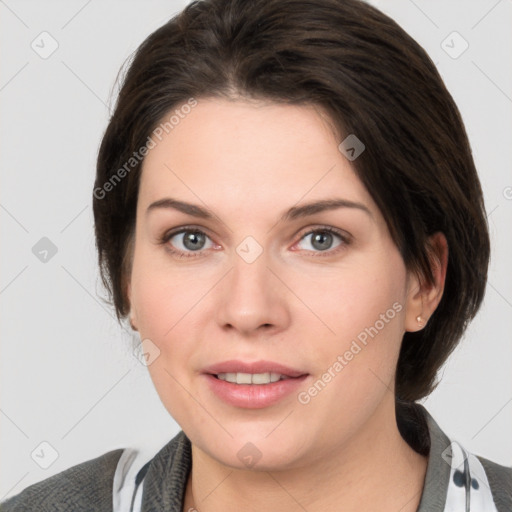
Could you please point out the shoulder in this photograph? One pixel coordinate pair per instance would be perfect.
(142, 471)
(455, 476)
(485, 483)
(86, 486)
(500, 482)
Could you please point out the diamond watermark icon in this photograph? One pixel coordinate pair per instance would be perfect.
(44, 250)
(249, 455)
(453, 456)
(146, 352)
(351, 147)
(454, 45)
(44, 45)
(249, 249)
(44, 455)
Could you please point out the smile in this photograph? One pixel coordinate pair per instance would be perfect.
(251, 378)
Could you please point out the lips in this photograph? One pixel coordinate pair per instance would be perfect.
(236, 366)
(253, 396)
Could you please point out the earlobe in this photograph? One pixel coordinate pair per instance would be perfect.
(424, 297)
(132, 314)
(133, 320)
(421, 321)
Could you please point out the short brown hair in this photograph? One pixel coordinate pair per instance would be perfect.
(373, 80)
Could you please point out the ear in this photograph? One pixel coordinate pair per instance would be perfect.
(132, 314)
(422, 297)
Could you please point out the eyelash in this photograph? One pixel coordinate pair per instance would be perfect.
(164, 239)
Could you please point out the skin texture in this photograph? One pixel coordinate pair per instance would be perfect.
(296, 304)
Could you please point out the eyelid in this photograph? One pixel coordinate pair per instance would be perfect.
(167, 235)
(344, 235)
(346, 240)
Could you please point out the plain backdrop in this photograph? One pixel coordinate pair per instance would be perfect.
(69, 378)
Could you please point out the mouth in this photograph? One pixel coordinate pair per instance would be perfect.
(253, 385)
(252, 378)
(256, 389)
(257, 372)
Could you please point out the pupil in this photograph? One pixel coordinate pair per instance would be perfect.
(194, 239)
(325, 237)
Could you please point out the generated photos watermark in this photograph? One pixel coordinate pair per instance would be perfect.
(305, 397)
(137, 156)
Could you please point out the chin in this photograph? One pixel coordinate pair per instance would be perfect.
(258, 452)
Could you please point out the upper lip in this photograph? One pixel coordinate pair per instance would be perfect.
(235, 366)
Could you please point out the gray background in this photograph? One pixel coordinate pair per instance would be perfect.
(69, 377)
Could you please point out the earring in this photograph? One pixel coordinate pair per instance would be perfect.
(420, 321)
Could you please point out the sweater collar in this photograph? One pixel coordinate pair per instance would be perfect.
(166, 479)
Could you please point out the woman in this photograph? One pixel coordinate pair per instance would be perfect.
(288, 212)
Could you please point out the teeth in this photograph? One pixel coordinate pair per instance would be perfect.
(251, 378)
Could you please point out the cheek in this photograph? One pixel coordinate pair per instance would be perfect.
(162, 297)
(164, 304)
(349, 302)
(356, 366)
(365, 309)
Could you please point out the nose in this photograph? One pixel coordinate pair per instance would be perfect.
(251, 299)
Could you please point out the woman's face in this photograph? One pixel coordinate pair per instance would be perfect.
(264, 281)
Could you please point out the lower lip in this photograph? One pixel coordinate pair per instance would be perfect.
(253, 396)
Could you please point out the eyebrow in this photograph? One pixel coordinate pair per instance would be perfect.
(293, 213)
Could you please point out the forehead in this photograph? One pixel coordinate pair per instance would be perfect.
(230, 152)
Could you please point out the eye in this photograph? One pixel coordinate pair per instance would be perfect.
(321, 239)
(187, 241)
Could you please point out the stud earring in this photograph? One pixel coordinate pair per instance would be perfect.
(420, 321)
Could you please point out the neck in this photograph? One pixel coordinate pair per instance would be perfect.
(374, 467)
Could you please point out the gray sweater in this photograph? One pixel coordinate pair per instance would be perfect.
(89, 486)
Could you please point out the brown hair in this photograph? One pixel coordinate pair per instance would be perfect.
(358, 65)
